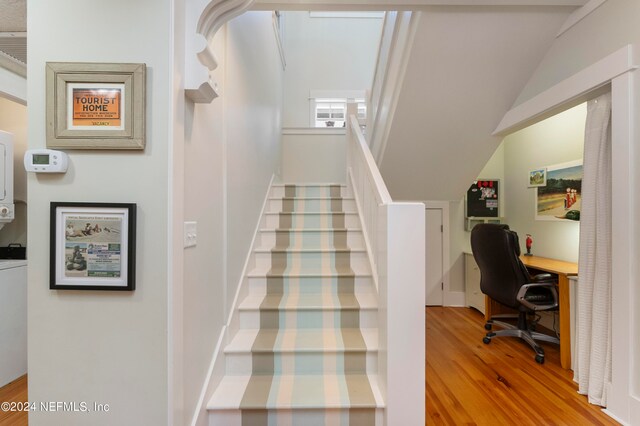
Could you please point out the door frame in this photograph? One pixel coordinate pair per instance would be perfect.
(449, 298)
(616, 71)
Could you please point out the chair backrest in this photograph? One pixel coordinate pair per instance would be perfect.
(496, 250)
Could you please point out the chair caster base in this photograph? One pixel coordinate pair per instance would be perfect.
(486, 340)
(488, 326)
(540, 359)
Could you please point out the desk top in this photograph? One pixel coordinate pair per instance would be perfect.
(550, 265)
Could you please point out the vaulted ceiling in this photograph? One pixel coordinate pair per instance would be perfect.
(466, 69)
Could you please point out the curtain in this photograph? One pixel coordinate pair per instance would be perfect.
(593, 319)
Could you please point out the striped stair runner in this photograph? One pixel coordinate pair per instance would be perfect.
(306, 351)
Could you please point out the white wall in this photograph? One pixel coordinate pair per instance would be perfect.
(253, 116)
(326, 54)
(204, 265)
(460, 238)
(558, 139)
(107, 347)
(13, 119)
(608, 28)
(314, 157)
(232, 149)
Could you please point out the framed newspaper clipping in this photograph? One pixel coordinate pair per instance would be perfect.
(95, 105)
(93, 246)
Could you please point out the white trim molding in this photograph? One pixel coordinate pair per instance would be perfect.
(379, 122)
(13, 86)
(579, 14)
(275, 20)
(387, 5)
(322, 131)
(618, 73)
(203, 19)
(568, 93)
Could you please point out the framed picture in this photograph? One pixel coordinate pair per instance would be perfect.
(560, 198)
(95, 105)
(537, 177)
(93, 246)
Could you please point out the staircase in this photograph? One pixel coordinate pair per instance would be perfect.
(306, 350)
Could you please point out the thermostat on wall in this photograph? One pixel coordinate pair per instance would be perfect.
(45, 161)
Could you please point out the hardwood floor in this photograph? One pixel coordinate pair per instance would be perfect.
(470, 383)
(15, 391)
(467, 382)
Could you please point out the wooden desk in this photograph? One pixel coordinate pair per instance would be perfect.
(563, 270)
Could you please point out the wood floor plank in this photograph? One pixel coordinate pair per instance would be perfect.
(470, 383)
(15, 391)
(467, 382)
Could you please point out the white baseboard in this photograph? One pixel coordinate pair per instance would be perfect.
(208, 382)
(614, 417)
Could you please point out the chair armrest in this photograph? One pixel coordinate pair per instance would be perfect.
(534, 307)
(544, 278)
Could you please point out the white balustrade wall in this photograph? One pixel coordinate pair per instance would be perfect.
(393, 55)
(395, 238)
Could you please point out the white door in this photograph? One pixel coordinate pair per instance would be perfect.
(434, 254)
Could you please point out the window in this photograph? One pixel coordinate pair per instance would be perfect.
(331, 112)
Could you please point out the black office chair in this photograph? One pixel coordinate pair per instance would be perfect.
(506, 280)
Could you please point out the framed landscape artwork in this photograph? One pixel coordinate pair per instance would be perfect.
(560, 198)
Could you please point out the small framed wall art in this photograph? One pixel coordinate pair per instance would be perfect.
(537, 177)
(93, 246)
(95, 105)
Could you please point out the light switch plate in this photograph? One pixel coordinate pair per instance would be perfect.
(190, 234)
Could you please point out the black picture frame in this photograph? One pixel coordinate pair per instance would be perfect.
(483, 199)
(99, 256)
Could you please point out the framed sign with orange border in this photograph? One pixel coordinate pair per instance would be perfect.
(95, 105)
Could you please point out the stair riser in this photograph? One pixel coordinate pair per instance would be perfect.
(312, 205)
(314, 285)
(311, 192)
(300, 417)
(309, 221)
(360, 362)
(308, 318)
(312, 239)
(302, 261)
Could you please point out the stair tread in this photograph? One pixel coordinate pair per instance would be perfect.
(304, 340)
(309, 250)
(357, 270)
(318, 184)
(313, 197)
(286, 392)
(310, 301)
(310, 229)
(315, 212)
